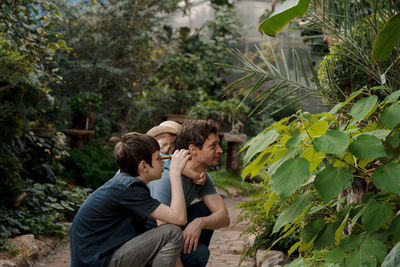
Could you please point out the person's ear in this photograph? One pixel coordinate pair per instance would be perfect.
(142, 167)
(193, 149)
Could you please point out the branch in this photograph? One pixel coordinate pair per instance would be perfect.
(5, 88)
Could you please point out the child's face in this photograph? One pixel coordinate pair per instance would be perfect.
(156, 169)
(166, 142)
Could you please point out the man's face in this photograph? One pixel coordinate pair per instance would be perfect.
(211, 152)
(155, 171)
(166, 142)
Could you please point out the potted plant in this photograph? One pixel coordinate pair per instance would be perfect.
(83, 106)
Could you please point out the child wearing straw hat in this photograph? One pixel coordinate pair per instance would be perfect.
(165, 133)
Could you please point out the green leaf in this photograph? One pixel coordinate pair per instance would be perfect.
(292, 212)
(386, 39)
(327, 236)
(351, 242)
(295, 140)
(395, 229)
(387, 177)
(363, 107)
(314, 158)
(312, 229)
(391, 115)
(360, 258)
(376, 248)
(339, 231)
(290, 176)
(336, 255)
(331, 181)
(393, 97)
(381, 134)
(318, 128)
(285, 13)
(393, 258)
(376, 214)
(289, 154)
(333, 142)
(299, 262)
(259, 143)
(367, 147)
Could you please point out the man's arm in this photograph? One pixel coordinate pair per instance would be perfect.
(219, 218)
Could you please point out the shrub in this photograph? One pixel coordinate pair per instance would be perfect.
(41, 212)
(90, 166)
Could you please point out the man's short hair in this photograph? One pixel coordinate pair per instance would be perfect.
(195, 132)
(131, 149)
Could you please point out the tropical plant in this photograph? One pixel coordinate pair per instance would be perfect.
(350, 35)
(334, 154)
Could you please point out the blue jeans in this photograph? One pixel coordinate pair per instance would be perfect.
(198, 258)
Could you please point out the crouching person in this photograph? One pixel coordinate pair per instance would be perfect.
(110, 227)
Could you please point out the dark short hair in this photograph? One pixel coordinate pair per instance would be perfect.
(195, 132)
(131, 149)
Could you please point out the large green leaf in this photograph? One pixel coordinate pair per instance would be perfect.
(333, 142)
(327, 236)
(285, 13)
(292, 212)
(393, 258)
(318, 128)
(360, 258)
(367, 147)
(386, 39)
(331, 181)
(376, 248)
(395, 230)
(387, 177)
(336, 255)
(295, 140)
(312, 229)
(351, 242)
(391, 115)
(290, 176)
(376, 214)
(392, 97)
(363, 107)
(259, 143)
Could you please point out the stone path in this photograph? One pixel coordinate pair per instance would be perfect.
(226, 245)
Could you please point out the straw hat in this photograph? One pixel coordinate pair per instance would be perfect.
(171, 127)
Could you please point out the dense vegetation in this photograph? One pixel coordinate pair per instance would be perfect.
(330, 180)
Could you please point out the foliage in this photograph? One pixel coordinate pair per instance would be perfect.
(351, 23)
(327, 153)
(187, 72)
(85, 102)
(261, 222)
(42, 210)
(229, 110)
(27, 46)
(90, 166)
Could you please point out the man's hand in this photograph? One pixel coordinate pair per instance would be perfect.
(200, 179)
(191, 234)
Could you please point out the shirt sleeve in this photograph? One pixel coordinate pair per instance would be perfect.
(208, 188)
(137, 199)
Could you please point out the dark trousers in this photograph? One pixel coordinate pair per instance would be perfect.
(198, 258)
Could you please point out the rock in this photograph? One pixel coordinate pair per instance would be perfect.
(273, 258)
(27, 247)
(5, 263)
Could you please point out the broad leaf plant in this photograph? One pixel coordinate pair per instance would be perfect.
(314, 161)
